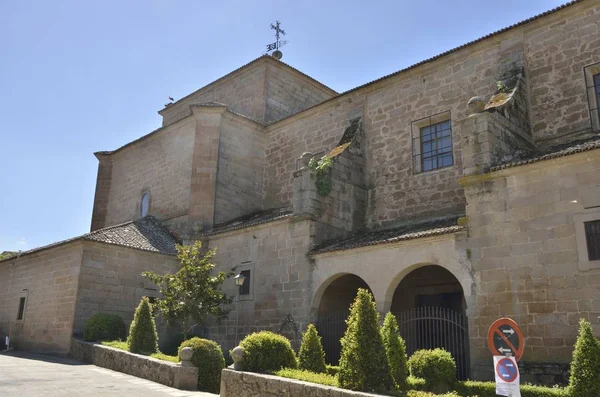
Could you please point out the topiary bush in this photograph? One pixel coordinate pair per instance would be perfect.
(103, 326)
(311, 356)
(363, 363)
(266, 352)
(585, 367)
(395, 350)
(208, 357)
(142, 333)
(436, 367)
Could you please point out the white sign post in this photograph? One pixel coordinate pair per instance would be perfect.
(507, 376)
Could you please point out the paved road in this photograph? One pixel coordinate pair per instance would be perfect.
(29, 375)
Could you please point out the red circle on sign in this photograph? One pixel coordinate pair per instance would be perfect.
(503, 363)
(496, 331)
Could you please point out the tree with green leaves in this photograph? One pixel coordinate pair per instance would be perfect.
(142, 333)
(585, 367)
(194, 292)
(311, 356)
(395, 350)
(363, 362)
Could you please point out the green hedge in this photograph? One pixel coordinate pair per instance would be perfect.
(332, 370)
(585, 367)
(266, 352)
(102, 327)
(209, 359)
(436, 366)
(488, 389)
(307, 376)
(142, 332)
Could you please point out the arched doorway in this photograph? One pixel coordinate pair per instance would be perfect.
(430, 307)
(334, 307)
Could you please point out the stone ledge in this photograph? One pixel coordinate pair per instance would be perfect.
(249, 384)
(160, 371)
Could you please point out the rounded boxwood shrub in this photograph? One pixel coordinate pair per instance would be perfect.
(585, 367)
(436, 367)
(266, 351)
(142, 333)
(104, 327)
(208, 357)
(395, 350)
(363, 363)
(311, 356)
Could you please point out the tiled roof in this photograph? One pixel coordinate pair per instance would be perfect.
(560, 151)
(251, 220)
(145, 234)
(407, 232)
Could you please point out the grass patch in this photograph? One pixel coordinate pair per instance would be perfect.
(165, 357)
(307, 376)
(117, 344)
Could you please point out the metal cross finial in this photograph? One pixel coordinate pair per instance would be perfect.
(278, 43)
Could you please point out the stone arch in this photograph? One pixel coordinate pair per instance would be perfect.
(462, 275)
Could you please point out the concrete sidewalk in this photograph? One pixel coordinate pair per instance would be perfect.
(28, 375)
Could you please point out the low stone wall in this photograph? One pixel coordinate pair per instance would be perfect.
(548, 374)
(165, 372)
(248, 384)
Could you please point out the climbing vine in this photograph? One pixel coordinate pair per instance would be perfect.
(323, 168)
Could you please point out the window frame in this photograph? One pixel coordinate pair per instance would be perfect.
(417, 128)
(579, 220)
(145, 193)
(23, 297)
(246, 266)
(591, 74)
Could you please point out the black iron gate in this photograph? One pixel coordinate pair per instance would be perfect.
(433, 327)
(331, 329)
(421, 328)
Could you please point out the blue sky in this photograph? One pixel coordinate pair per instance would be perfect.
(82, 76)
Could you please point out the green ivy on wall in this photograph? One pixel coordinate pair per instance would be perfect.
(322, 167)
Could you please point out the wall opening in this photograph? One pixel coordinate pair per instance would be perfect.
(334, 308)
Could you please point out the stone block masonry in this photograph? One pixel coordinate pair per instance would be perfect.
(160, 371)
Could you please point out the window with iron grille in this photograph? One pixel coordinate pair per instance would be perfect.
(432, 143)
(592, 83)
(245, 288)
(592, 237)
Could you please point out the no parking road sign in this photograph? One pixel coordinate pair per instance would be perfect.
(507, 376)
(506, 339)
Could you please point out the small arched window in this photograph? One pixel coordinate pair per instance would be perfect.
(145, 206)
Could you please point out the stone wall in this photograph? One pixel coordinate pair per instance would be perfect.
(240, 168)
(160, 371)
(248, 384)
(243, 91)
(393, 105)
(111, 281)
(48, 280)
(522, 236)
(275, 254)
(287, 92)
(161, 165)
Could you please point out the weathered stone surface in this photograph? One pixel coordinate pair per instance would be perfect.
(165, 372)
(247, 384)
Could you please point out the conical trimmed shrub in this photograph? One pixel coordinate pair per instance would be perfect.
(311, 356)
(363, 362)
(395, 350)
(142, 333)
(585, 367)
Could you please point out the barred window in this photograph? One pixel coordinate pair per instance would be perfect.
(592, 237)
(432, 143)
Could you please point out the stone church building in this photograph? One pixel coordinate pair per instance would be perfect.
(461, 189)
